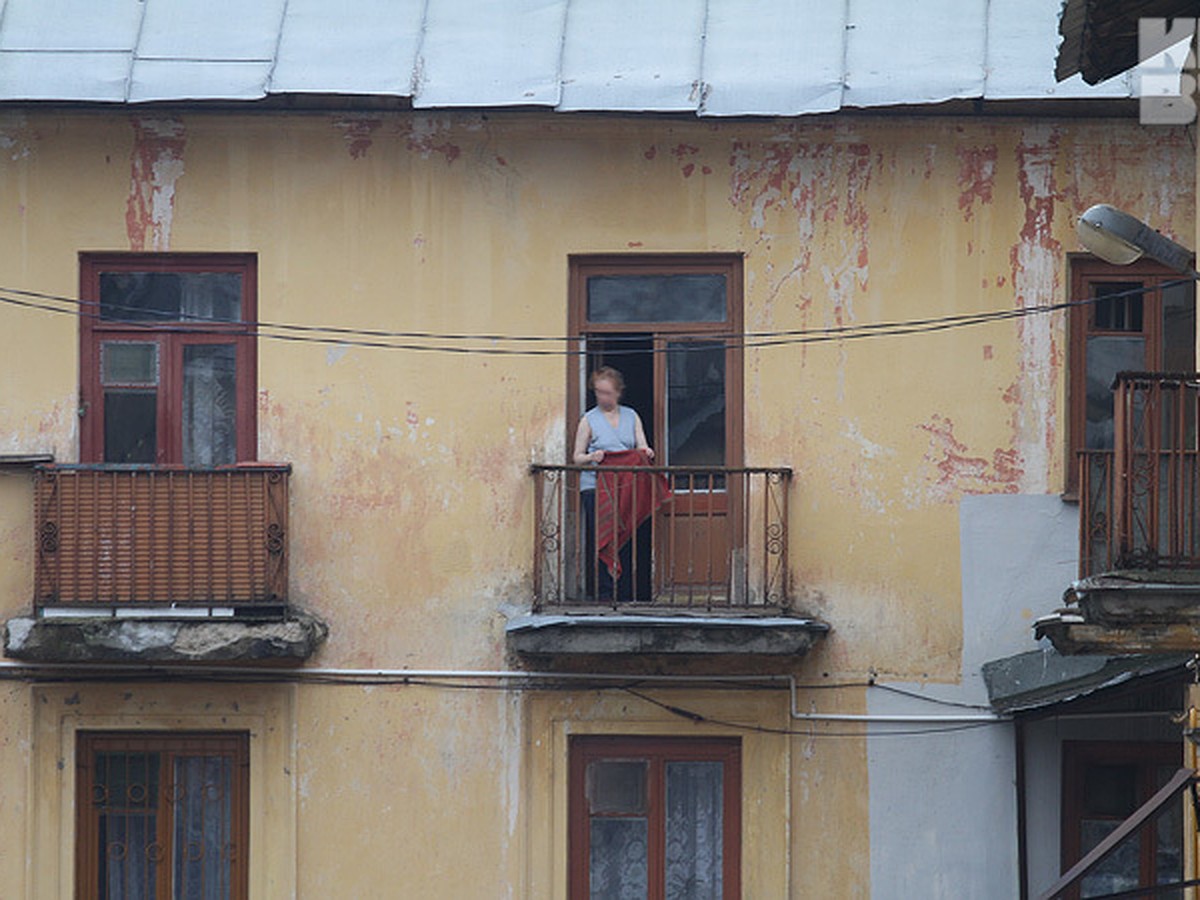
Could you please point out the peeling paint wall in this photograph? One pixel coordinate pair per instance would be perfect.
(411, 506)
(156, 164)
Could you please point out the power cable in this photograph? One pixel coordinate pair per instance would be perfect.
(702, 341)
(701, 718)
(629, 686)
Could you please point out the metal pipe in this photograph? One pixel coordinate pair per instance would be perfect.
(516, 675)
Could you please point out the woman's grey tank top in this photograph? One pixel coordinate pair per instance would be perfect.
(609, 439)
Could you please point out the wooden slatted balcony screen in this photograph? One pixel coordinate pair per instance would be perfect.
(161, 536)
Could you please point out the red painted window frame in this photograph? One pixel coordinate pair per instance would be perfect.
(583, 266)
(235, 744)
(1085, 270)
(1146, 756)
(171, 337)
(657, 751)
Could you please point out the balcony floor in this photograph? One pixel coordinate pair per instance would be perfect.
(674, 636)
(290, 638)
(1123, 612)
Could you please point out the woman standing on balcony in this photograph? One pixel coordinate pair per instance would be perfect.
(607, 427)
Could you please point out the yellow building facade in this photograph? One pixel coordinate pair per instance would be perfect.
(411, 525)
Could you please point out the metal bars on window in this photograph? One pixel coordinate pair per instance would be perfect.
(1140, 501)
(162, 815)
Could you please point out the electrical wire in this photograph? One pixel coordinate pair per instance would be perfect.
(401, 340)
(701, 718)
(381, 339)
(628, 685)
(917, 695)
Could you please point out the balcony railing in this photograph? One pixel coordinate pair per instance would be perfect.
(138, 536)
(720, 542)
(1140, 501)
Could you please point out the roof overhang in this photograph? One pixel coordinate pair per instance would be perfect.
(1100, 37)
(1044, 679)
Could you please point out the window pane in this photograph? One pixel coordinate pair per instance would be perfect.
(656, 298)
(125, 792)
(128, 362)
(695, 403)
(1110, 790)
(171, 296)
(1119, 871)
(695, 830)
(129, 855)
(617, 786)
(1106, 356)
(1168, 850)
(209, 404)
(617, 859)
(203, 816)
(1179, 328)
(130, 426)
(1122, 312)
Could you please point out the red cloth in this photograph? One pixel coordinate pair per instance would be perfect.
(620, 498)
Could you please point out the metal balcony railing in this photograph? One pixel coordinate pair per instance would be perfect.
(1140, 501)
(719, 542)
(161, 536)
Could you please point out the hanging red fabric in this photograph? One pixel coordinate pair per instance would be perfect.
(624, 500)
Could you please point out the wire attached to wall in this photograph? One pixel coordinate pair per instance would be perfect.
(812, 731)
(633, 685)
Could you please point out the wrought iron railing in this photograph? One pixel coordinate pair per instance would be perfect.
(143, 536)
(1097, 546)
(1140, 501)
(719, 542)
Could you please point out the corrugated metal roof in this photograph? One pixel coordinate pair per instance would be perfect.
(710, 57)
(491, 54)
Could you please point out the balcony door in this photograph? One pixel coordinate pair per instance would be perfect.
(672, 326)
(167, 359)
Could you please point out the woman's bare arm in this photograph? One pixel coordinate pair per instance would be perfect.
(583, 434)
(639, 434)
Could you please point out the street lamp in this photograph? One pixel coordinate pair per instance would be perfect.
(1119, 238)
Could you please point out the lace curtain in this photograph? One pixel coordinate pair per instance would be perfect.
(209, 404)
(694, 826)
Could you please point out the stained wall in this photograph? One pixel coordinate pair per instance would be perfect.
(411, 504)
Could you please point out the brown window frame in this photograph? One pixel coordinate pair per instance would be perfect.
(1086, 269)
(171, 337)
(583, 749)
(588, 265)
(1147, 755)
(233, 743)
